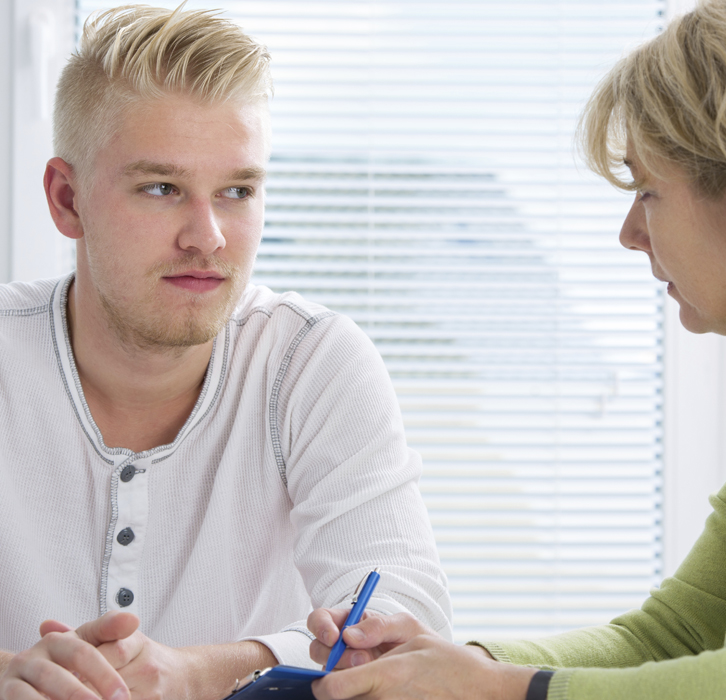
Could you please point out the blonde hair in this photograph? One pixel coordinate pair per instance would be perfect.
(668, 97)
(135, 53)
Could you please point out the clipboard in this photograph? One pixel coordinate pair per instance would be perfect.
(278, 682)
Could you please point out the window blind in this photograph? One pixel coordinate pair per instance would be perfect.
(422, 181)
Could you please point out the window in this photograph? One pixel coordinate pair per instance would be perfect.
(423, 183)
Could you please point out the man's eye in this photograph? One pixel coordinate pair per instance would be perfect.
(158, 189)
(237, 192)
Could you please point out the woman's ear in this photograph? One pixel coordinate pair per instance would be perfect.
(60, 190)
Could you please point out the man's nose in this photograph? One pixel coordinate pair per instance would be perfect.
(201, 233)
(634, 232)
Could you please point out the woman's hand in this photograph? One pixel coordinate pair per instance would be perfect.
(373, 636)
(428, 668)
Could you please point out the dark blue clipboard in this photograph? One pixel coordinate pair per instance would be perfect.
(283, 682)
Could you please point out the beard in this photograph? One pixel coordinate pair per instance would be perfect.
(145, 324)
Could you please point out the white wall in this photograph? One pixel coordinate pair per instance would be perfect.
(6, 17)
(40, 35)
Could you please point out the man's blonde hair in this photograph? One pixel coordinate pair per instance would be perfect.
(669, 98)
(135, 53)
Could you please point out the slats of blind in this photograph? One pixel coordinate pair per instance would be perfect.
(422, 181)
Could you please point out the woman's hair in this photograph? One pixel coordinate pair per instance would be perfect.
(134, 53)
(668, 98)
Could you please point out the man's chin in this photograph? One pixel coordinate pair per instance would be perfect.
(171, 330)
(161, 323)
(189, 333)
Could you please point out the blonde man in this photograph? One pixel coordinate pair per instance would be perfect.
(175, 442)
(656, 126)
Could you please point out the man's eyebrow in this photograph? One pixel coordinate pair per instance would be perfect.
(249, 174)
(147, 167)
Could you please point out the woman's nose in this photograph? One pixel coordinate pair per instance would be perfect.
(634, 232)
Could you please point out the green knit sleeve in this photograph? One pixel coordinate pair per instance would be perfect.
(702, 677)
(683, 620)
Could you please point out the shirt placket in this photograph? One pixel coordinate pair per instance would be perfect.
(126, 534)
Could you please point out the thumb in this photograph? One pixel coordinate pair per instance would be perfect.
(53, 626)
(111, 627)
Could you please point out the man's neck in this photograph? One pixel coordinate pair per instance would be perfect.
(139, 397)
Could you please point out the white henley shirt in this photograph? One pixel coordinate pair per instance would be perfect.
(290, 479)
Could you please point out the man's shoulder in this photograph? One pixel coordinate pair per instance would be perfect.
(258, 299)
(26, 298)
(287, 318)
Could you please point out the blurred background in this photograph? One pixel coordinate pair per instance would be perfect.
(423, 181)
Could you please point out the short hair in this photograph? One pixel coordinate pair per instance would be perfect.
(136, 52)
(669, 98)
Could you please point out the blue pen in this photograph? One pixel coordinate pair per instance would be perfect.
(360, 599)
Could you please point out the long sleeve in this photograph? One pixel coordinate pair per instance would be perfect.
(353, 484)
(672, 647)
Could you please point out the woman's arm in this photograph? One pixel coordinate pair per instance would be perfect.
(702, 676)
(684, 617)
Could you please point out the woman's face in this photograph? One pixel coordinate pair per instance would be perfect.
(684, 235)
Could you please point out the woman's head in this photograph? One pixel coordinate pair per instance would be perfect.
(668, 100)
(661, 113)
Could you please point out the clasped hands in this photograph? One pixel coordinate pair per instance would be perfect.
(396, 657)
(108, 658)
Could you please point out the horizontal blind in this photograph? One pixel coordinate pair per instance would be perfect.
(422, 181)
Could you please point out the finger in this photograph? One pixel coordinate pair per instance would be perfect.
(53, 626)
(53, 681)
(351, 657)
(20, 690)
(123, 651)
(110, 627)
(344, 684)
(76, 655)
(319, 652)
(375, 630)
(325, 624)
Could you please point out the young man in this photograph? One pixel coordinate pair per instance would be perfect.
(175, 442)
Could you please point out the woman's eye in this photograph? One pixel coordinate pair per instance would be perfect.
(643, 195)
(158, 189)
(237, 192)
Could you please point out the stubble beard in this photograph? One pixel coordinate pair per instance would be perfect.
(147, 327)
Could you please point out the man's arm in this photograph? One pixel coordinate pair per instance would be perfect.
(353, 485)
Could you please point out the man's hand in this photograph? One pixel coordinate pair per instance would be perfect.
(149, 669)
(373, 636)
(428, 668)
(153, 671)
(55, 667)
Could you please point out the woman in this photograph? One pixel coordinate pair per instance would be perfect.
(661, 113)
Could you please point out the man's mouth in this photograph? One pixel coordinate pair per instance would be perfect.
(196, 280)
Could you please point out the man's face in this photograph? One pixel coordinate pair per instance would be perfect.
(172, 217)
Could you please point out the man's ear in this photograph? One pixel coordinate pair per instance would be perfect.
(60, 190)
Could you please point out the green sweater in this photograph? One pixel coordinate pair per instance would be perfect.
(673, 647)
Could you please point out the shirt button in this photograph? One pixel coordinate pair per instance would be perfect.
(126, 536)
(124, 597)
(128, 472)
